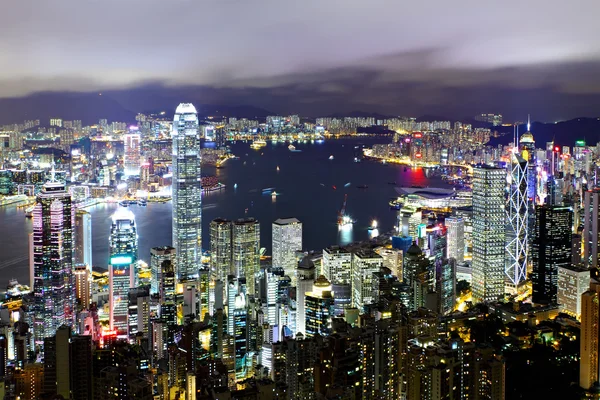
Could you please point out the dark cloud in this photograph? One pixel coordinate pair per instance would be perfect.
(314, 56)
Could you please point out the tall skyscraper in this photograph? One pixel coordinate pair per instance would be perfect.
(456, 239)
(417, 275)
(83, 238)
(53, 291)
(187, 188)
(337, 265)
(364, 264)
(157, 256)
(573, 281)
(83, 284)
(589, 364)
(551, 249)
(121, 269)
(287, 239)
(591, 228)
(517, 219)
(132, 159)
(246, 250)
(489, 231)
(318, 306)
(220, 249)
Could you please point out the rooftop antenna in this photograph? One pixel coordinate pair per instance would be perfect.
(528, 122)
(52, 172)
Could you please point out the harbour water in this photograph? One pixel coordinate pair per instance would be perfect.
(310, 186)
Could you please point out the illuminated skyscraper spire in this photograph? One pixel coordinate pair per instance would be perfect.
(517, 218)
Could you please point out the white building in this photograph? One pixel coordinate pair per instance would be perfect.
(337, 265)
(456, 239)
(132, 159)
(286, 239)
(392, 259)
(364, 264)
(572, 283)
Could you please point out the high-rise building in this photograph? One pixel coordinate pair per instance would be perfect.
(364, 264)
(166, 293)
(83, 238)
(417, 275)
(591, 228)
(121, 269)
(318, 306)
(456, 239)
(132, 158)
(517, 219)
(573, 281)
(187, 188)
(246, 250)
(550, 249)
(287, 239)
(489, 232)
(83, 284)
(392, 259)
(157, 256)
(589, 356)
(220, 249)
(138, 318)
(53, 291)
(337, 265)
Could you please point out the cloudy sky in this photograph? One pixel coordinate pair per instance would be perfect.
(314, 56)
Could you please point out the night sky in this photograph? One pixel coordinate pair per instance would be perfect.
(314, 57)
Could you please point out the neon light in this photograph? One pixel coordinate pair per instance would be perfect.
(121, 260)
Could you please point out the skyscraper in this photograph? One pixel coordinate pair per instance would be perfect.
(337, 265)
(157, 256)
(591, 228)
(121, 269)
(551, 249)
(287, 239)
(318, 306)
(589, 364)
(132, 157)
(489, 232)
(83, 284)
(364, 264)
(220, 249)
(246, 250)
(187, 200)
(417, 275)
(456, 239)
(53, 291)
(517, 217)
(83, 238)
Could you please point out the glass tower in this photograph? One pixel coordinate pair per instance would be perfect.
(246, 250)
(187, 201)
(287, 239)
(517, 219)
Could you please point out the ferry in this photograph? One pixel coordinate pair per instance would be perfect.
(268, 190)
(331, 157)
(258, 144)
(291, 147)
(373, 225)
(142, 202)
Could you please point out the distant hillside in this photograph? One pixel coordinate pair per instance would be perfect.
(564, 133)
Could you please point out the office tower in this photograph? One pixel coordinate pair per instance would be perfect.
(83, 285)
(517, 219)
(132, 157)
(392, 259)
(337, 265)
(417, 275)
(138, 318)
(121, 269)
(456, 239)
(550, 249)
(591, 228)
(318, 305)
(157, 256)
(287, 239)
(166, 293)
(186, 188)
(364, 264)
(83, 238)
(220, 249)
(29, 382)
(489, 232)
(246, 250)
(240, 334)
(589, 355)
(576, 247)
(306, 274)
(53, 291)
(573, 281)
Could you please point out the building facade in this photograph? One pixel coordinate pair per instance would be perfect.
(287, 239)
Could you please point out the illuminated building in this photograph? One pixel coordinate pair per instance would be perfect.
(157, 256)
(246, 250)
(456, 239)
(489, 230)
(416, 274)
(364, 264)
(121, 269)
(166, 293)
(517, 219)
(591, 228)
(572, 283)
(287, 239)
(83, 284)
(132, 156)
(337, 265)
(138, 318)
(53, 291)
(306, 274)
(83, 238)
(240, 334)
(589, 364)
(392, 259)
(551, 249)
(318, 306)
(29, 382)
(220, 249)
(186, 188)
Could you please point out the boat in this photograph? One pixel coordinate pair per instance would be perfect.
(278, 168)
(362, 187)
(268, 190)
(274, 195)
(373, 225)
(291, 147)
(124, 203)
(29, 212)
(258, 144)
(322, 184)
(142, 202)
(331, 157)
(396, 204)
(344, 221)
(235, 185)
(347, 184)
